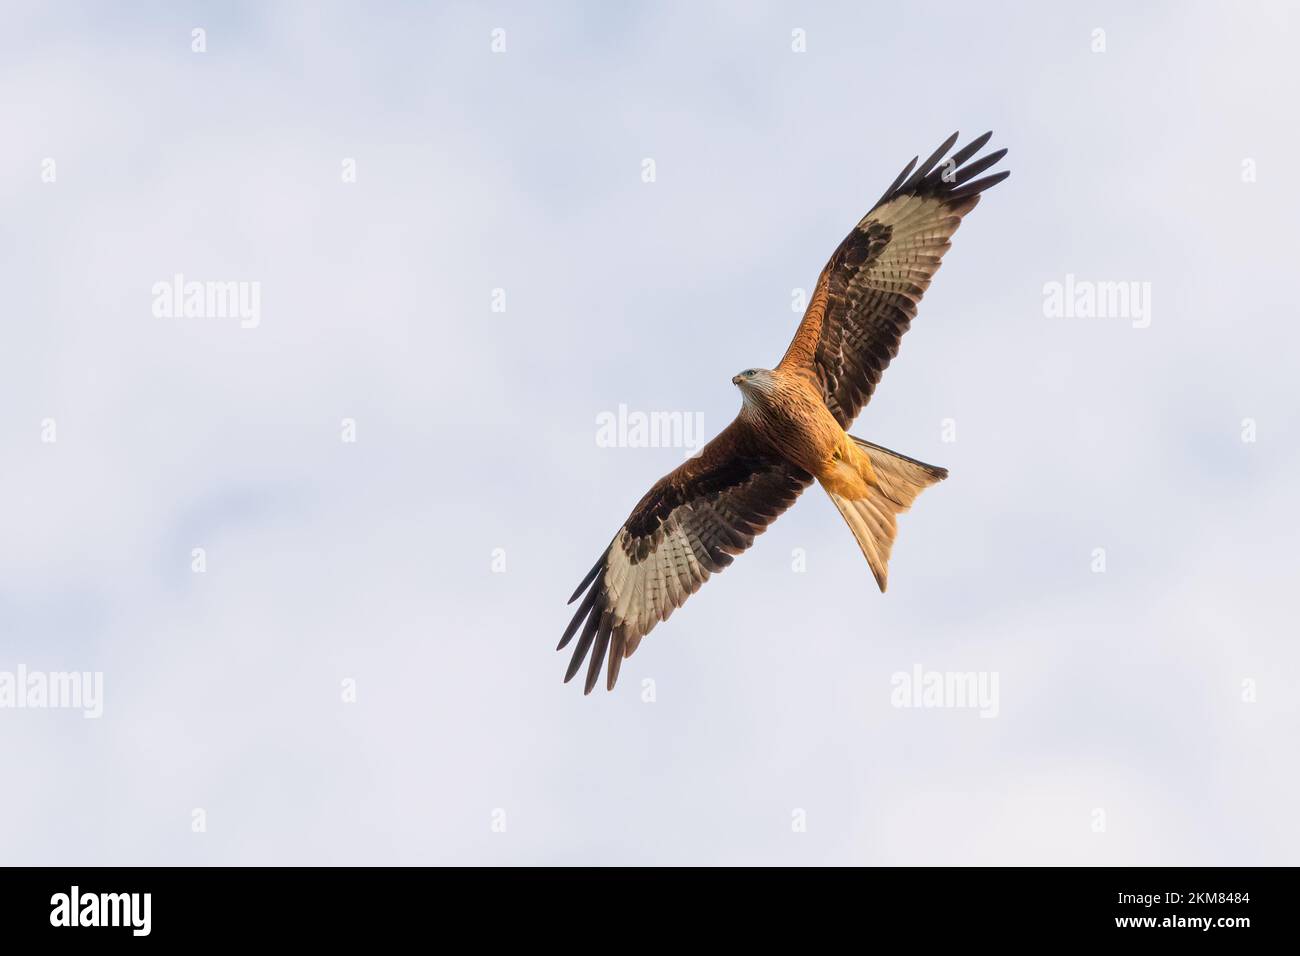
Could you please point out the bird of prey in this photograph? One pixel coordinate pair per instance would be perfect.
(793, 421)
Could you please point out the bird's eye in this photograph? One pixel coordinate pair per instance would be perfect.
(748, 373)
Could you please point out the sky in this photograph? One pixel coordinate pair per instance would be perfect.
(317, 552)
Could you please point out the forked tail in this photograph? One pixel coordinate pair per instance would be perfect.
(870, 490)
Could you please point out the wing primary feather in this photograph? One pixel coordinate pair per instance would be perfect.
(971, 148)
(591, 576)
(970, 189)
(584, 642)
(578, 618)
(977, 167)
(928, 165)
(616, 655)
(896, 183)
(598, 651)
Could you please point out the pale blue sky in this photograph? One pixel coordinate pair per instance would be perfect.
(476, 431)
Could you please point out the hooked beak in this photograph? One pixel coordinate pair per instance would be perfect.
(736, 380)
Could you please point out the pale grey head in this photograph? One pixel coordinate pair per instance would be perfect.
(755, 384)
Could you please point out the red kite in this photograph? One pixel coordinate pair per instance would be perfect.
(792, 423)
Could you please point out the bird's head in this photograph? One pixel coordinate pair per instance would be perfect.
(754, 380)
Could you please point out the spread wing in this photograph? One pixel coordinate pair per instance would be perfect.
(688, 526)
(867, 295)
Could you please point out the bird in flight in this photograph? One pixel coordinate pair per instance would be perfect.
(792, 424)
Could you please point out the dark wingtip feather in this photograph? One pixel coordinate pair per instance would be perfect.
(972, 189)
(583, 609)
(898, 181)
(977, 167)
(598, 652)
(616, 654)
(591, 576)
(924, 169)
(971, 148)
(584, 642)
(944, 178)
